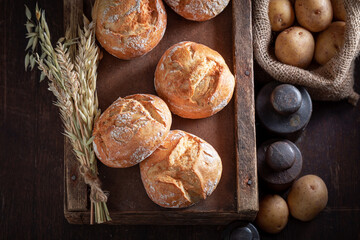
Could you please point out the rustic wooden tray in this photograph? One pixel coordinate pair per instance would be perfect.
(231, 131)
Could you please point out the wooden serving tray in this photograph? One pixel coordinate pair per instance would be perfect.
(231, 131)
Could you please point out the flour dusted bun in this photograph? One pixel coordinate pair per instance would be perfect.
(198, 10)
(194, 80)
(129, 28)
(182, 171)
(130, 130)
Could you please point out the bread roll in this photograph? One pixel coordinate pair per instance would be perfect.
(182, 171)
(198, 10)
(193, 80)
(129, 28)
(130, 130)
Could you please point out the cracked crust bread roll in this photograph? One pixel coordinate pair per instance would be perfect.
(182, 171)
(129, 28)
(194, 80)
(130, 130)
(198, 10)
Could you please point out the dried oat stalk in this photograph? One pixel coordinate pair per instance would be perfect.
(73, 82)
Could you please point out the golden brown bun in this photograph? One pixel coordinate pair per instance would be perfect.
(130, 130)
(129, 28)
(194, 80)
(182, 171)
(198, 10)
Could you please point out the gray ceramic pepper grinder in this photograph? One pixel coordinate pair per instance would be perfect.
(284, 109)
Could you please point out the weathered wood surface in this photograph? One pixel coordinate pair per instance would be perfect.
(247, 184)
(76, 193)
(236, 195)
(32, 148)
(160, 218)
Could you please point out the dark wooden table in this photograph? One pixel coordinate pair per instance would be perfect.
(31, 150)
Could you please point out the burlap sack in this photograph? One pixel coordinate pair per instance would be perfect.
(331, 82)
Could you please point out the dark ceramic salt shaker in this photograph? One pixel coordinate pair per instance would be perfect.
(284, 109)
(279, 163)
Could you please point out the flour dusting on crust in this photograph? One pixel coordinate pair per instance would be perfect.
(198, 10)
(182, 171)
(194, 80)
(128, 28)
(130, 130)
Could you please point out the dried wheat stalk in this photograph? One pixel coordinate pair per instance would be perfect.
(73, 82)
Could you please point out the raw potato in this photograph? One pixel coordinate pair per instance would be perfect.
(307, 198)
(281, 14)
(273, 214)
(315, 16)
(295, 46)
(339, 10)
(329, 42)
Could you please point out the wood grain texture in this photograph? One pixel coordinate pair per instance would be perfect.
(247, 184)
(160, 218)
(76, 193)
(73, 13)
(31, 158)
(129, 206)
(330, 146)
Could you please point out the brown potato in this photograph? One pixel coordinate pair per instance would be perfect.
(315, 16)
(307, 198)
(295, 46)
(339, 10)
(281, 14)
(329, 42)
(273, 214)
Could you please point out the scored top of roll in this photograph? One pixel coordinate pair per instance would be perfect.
(182, 171)
(193, 80)
(129, 28)
(198, 10)
(130, 130)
